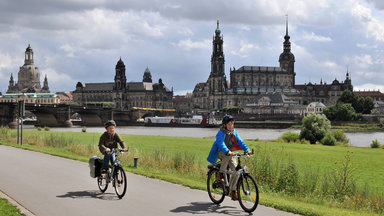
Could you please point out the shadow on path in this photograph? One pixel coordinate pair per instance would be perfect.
(208, 207)
(89, 194)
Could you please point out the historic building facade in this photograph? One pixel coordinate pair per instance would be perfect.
(28, 77)
(247, 82)
(125, 95)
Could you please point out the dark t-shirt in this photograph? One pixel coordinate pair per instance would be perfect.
(110, 141)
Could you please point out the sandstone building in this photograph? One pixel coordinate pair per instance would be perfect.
(125, 95)
(247, 83)
(28, 77)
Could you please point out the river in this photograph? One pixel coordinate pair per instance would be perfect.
(359, 139)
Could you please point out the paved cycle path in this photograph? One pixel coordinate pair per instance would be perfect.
(53, 186)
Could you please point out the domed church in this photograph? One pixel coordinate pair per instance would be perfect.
(28, 77)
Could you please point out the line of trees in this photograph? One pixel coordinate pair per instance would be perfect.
(349, 107)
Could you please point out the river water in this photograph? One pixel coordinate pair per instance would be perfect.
(359, 139)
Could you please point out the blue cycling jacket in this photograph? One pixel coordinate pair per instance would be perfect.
(219, 145)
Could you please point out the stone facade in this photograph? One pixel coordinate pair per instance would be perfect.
(248, 82)
(28, 77)
(31, 98)
(125, 95)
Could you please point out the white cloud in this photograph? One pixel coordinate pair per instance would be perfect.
(70, 50)
(5, 61)
(369, 87)
(363, 61)
(57, 79)
(313, 37)
(373, 27)
(245, 49)
(188, 44)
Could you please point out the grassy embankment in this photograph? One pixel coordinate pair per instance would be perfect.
(7, 209)
(300, 178)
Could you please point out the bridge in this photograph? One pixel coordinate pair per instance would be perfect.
(59, 115)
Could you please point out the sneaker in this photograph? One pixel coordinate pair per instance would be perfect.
(234, 195)
(220, 177)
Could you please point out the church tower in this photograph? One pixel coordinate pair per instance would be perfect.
(287, 59)
(45, 88)
(11, 83)
(217, 81)
(28, 76)
(120, 79)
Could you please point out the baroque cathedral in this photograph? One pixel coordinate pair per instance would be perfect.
(28, 77)
(126, 95)
(248, 84)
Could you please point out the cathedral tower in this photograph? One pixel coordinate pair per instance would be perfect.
(217, 81)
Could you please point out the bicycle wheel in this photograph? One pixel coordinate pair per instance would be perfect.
(120, 182)
(248, 193)
(215, 188)
(102, 183)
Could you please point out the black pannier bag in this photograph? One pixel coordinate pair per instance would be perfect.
(95, 164)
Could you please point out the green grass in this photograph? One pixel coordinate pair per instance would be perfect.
(183, 160)
(7, 209)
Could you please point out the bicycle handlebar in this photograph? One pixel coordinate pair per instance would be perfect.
(244, 154)
(115, 150)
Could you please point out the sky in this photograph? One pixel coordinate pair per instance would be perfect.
(81, 41)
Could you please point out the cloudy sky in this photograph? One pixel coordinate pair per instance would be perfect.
(82, 40)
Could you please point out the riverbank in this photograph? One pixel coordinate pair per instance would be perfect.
(182, 160)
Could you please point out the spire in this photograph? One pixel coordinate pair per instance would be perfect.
(347, 75)
(217, 31)
(45, 86)
(287, 43)
(286, 24)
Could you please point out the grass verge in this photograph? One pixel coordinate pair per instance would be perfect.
(7, 209)
(182, 161)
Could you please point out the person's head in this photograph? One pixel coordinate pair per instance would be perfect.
(228, 122)
(110, 126)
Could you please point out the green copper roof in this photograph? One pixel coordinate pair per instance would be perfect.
(147, 70)
(217, 29)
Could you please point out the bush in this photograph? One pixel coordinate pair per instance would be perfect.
(84, 129)
(314, 127)
(340, 136)
(47, 128)
(39, 128)
(290, 137)
(375, 144)
(329, 140)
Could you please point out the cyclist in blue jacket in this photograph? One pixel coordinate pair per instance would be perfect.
(227, 141)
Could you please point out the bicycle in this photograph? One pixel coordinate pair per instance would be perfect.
(246, 187)
(115, 174)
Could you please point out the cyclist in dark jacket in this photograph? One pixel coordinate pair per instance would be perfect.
(108, 141)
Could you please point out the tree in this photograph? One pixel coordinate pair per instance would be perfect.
(314, 127)
(330, 112)
(348, 97)
(368, 105)
(345, 112)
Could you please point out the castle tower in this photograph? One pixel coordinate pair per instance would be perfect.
(287, 59)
